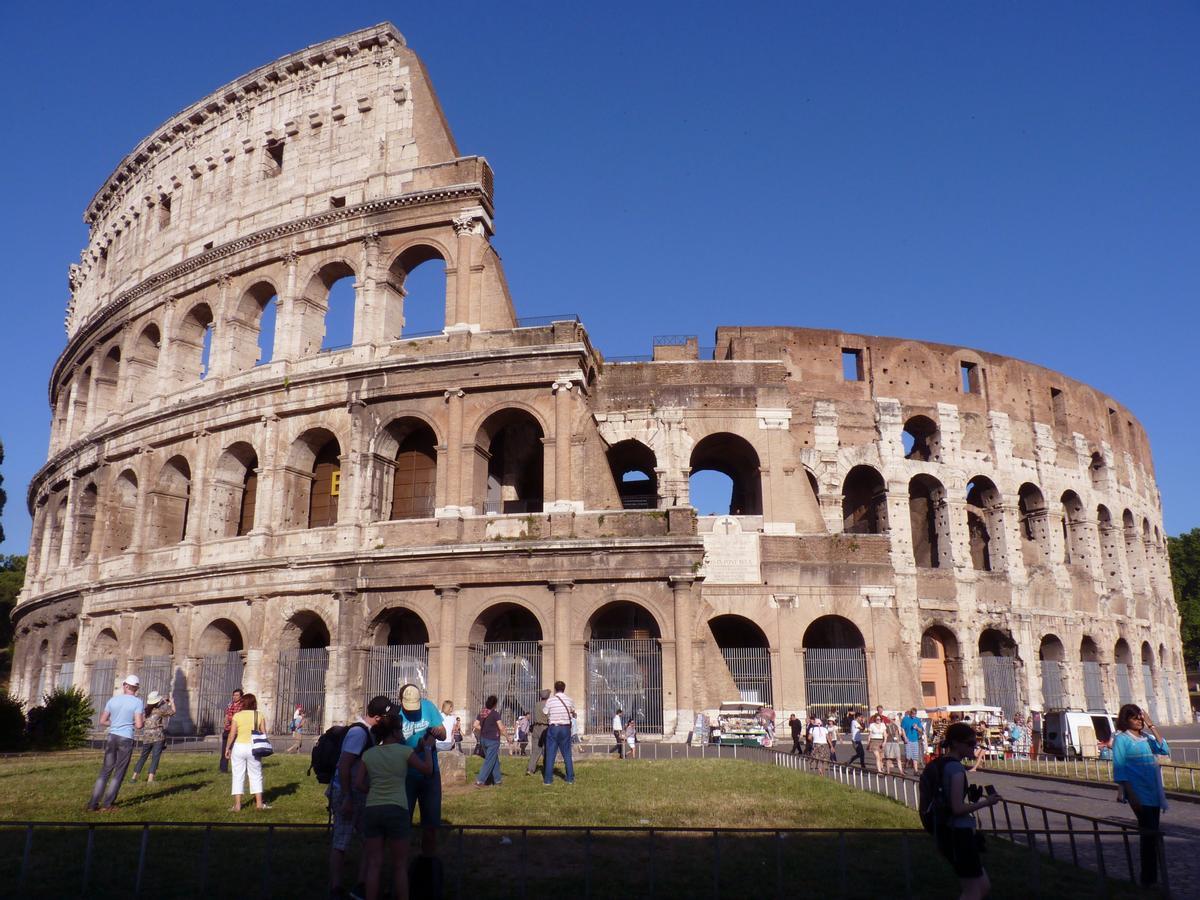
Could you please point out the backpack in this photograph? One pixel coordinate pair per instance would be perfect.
(932, 804)
(328, 750)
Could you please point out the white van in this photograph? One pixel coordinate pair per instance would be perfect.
(1073, 734)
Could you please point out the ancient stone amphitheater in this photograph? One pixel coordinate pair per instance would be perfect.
(229, 500)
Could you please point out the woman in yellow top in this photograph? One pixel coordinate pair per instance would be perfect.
(237, 751)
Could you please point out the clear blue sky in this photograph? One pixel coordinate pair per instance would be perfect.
(1018, 177)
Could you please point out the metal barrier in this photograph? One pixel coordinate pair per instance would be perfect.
(1177, 778)
(220, 674)
(512, 670)
(301, 681)
(624, 674)
(750, 668)
(835, 680)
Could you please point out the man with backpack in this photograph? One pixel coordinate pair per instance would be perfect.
(346, 804)
(948, 813)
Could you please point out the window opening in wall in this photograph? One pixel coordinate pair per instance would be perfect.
(1096, 470)
(852, 364)
(208, 245)
(417, 299)
(927, 517)
(337, 202)
(103, 261)
(248, 502)
(969, 372)
(266, 332)
(921, 440)
(339, 319)
(273, 159)
(1114, 424)
(864, 502)
(632, 464)
(732, 457)
(510, 463)
(326, 485)
(1058, 400)
(164, 210)
(711, 493)
(206, 351)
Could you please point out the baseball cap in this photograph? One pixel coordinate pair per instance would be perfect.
(133, 681)
(410, 698)
(379, 706)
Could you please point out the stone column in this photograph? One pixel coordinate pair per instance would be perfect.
(468, 227)
(453, 493)
(445, 687)
(336, 676)
(289, 315)
(368, 318)
(562, 501)
(681, 589)
(562, 629)
(66, 551)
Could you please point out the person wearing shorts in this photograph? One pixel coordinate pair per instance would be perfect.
(957, 840)
(420, 717)
(893, 747)
(383, 779)
(914, 731)
(346, 805)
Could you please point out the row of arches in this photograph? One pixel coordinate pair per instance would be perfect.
(235, 331)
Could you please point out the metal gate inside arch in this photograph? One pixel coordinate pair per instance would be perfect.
(512, 670)
(220, 675)
(835, 680)
(625, 674)
(390, 668)
(1001, 684)
(301, 681)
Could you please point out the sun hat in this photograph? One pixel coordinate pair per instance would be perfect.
(132, 681)
(154, 697)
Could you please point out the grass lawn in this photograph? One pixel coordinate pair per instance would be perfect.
(639, 794)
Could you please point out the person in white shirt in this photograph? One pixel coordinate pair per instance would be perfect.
(822, 744)
(618, 729)
(560, 711)
(856, 741)
(876, 735)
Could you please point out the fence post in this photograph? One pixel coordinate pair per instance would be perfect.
(27, 855)
(650, 844)
(905, 855)
(266, 878)
(779, 864)
(524, 857)
(717, 863)
(587, 864)
(842, 864)
(141, 865)
(1101, 872)
(87, 858)
(458, 869)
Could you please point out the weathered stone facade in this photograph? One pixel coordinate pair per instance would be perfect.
(934, 519)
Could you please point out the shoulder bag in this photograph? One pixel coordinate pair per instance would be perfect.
(260, 744)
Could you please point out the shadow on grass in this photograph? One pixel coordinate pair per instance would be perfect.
(271, 794)
(155, 794)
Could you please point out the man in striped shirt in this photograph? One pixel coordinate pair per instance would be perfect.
(559, 710)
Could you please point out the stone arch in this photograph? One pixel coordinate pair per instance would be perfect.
(233, 487)
(833, 632)
(398, 625)
(999, 643)
(1035, 524)
(399, 652)
(1052, 660)
(835, 667)
(58, 527)
(922, 440)
(1074, 526)
(191, 345)
(1133, 552)
(318, 330)
(305, 629)
(406, 484)
(624, 665)
(1147, 654)
(141, 370)
(156, 640)
(221, 635)
(250, 327)
(929, 517)
(69, 647)
(1051, 648)
(108, 377)
(746, 650)
(82, 395)
(509, 472)
(737, 459)
(1000, 659)
(85, 522)
(622, 619)
(1123, 667)
(118, 536)
(941, 667)
(399, 316)
(1110, 547)
(985, 524)
(104, 646)
(168, 504)
(506, 657)
(313, 480)
(1097, 471)
(864, 502)
(634, 470)
(506, 621)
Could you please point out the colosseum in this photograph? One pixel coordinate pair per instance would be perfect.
(230, 497)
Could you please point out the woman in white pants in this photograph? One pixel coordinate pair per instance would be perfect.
(238, 752)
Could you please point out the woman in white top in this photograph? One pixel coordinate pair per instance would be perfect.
(450, 721)
(876, 735)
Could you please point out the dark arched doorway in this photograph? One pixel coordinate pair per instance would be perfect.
(1001, 671)
(747, 655)
(624, 668)
(302, 669)
(399, 655)
(835, 667)
(1052, 657)
(506, 659)
(220, 649)
(1093, 675)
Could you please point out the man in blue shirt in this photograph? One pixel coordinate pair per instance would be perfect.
(420, 718)
(914, 732)
(122, 714)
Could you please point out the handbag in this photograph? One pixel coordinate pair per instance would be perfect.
(260, 744)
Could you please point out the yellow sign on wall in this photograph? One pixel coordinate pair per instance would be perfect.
(335, 482)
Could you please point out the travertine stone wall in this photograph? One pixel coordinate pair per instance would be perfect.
(208, 491)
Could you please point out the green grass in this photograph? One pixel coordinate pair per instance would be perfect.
(681, 793)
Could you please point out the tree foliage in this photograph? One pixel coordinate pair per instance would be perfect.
(12, 579)
(62, 722)
(12, 723)
(3, 496)
(1185, 572)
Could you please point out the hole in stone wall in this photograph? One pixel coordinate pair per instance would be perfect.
(852, 364)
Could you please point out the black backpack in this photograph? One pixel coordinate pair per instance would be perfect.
(932, 804)
(328, 750)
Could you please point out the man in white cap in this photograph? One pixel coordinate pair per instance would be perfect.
(122, 714)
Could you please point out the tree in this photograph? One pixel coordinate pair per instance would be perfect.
(1185, 572)
(3, 496)
(12, 579)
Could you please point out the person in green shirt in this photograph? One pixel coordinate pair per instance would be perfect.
(382, 777)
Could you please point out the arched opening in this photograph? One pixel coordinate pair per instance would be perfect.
(302, 668)
(399, 655)
(1098, 472)
(1110, 548)
(984, 524)
(1148, 685)
(234, 487)
(633, 469)
(835, 668)
(509, 463)
(1074, 525)
(313, 480)
(930, 520)
(39, 674)
(66, 661)
(107, 378)
(1052, 656)
(251, 330)
(327, 321)
(922, 441)
(192, 346)
(414, 475)
(624, 667)
(1093, 675)
(1035, 525)
(416, 298)
(85, 523)
(82, 392)
(58, 525)
(219, 646)
(119, 534)
(142, 369)
(168, 504)
(747, 654)
(506, 659)
(1001, 671)
(1133, 553)
(864, 502)
(103, 680)
(941, 668)
(1123, 664)
(157, 667)
(734, 458)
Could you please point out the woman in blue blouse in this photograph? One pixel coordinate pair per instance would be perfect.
(1139, 779)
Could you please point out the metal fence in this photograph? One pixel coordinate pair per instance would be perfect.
(301, 681)
(1151, 694)
(66, 676)
(1054, 694)
(625, 673)
(1124, 684)
(750, 668)
(1093, 687)
(1180, 778)
(1001, 683)
(220, 675)
(155, 673)
(512, 670)
(391, 667)
(100, 687)
(835, 680)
